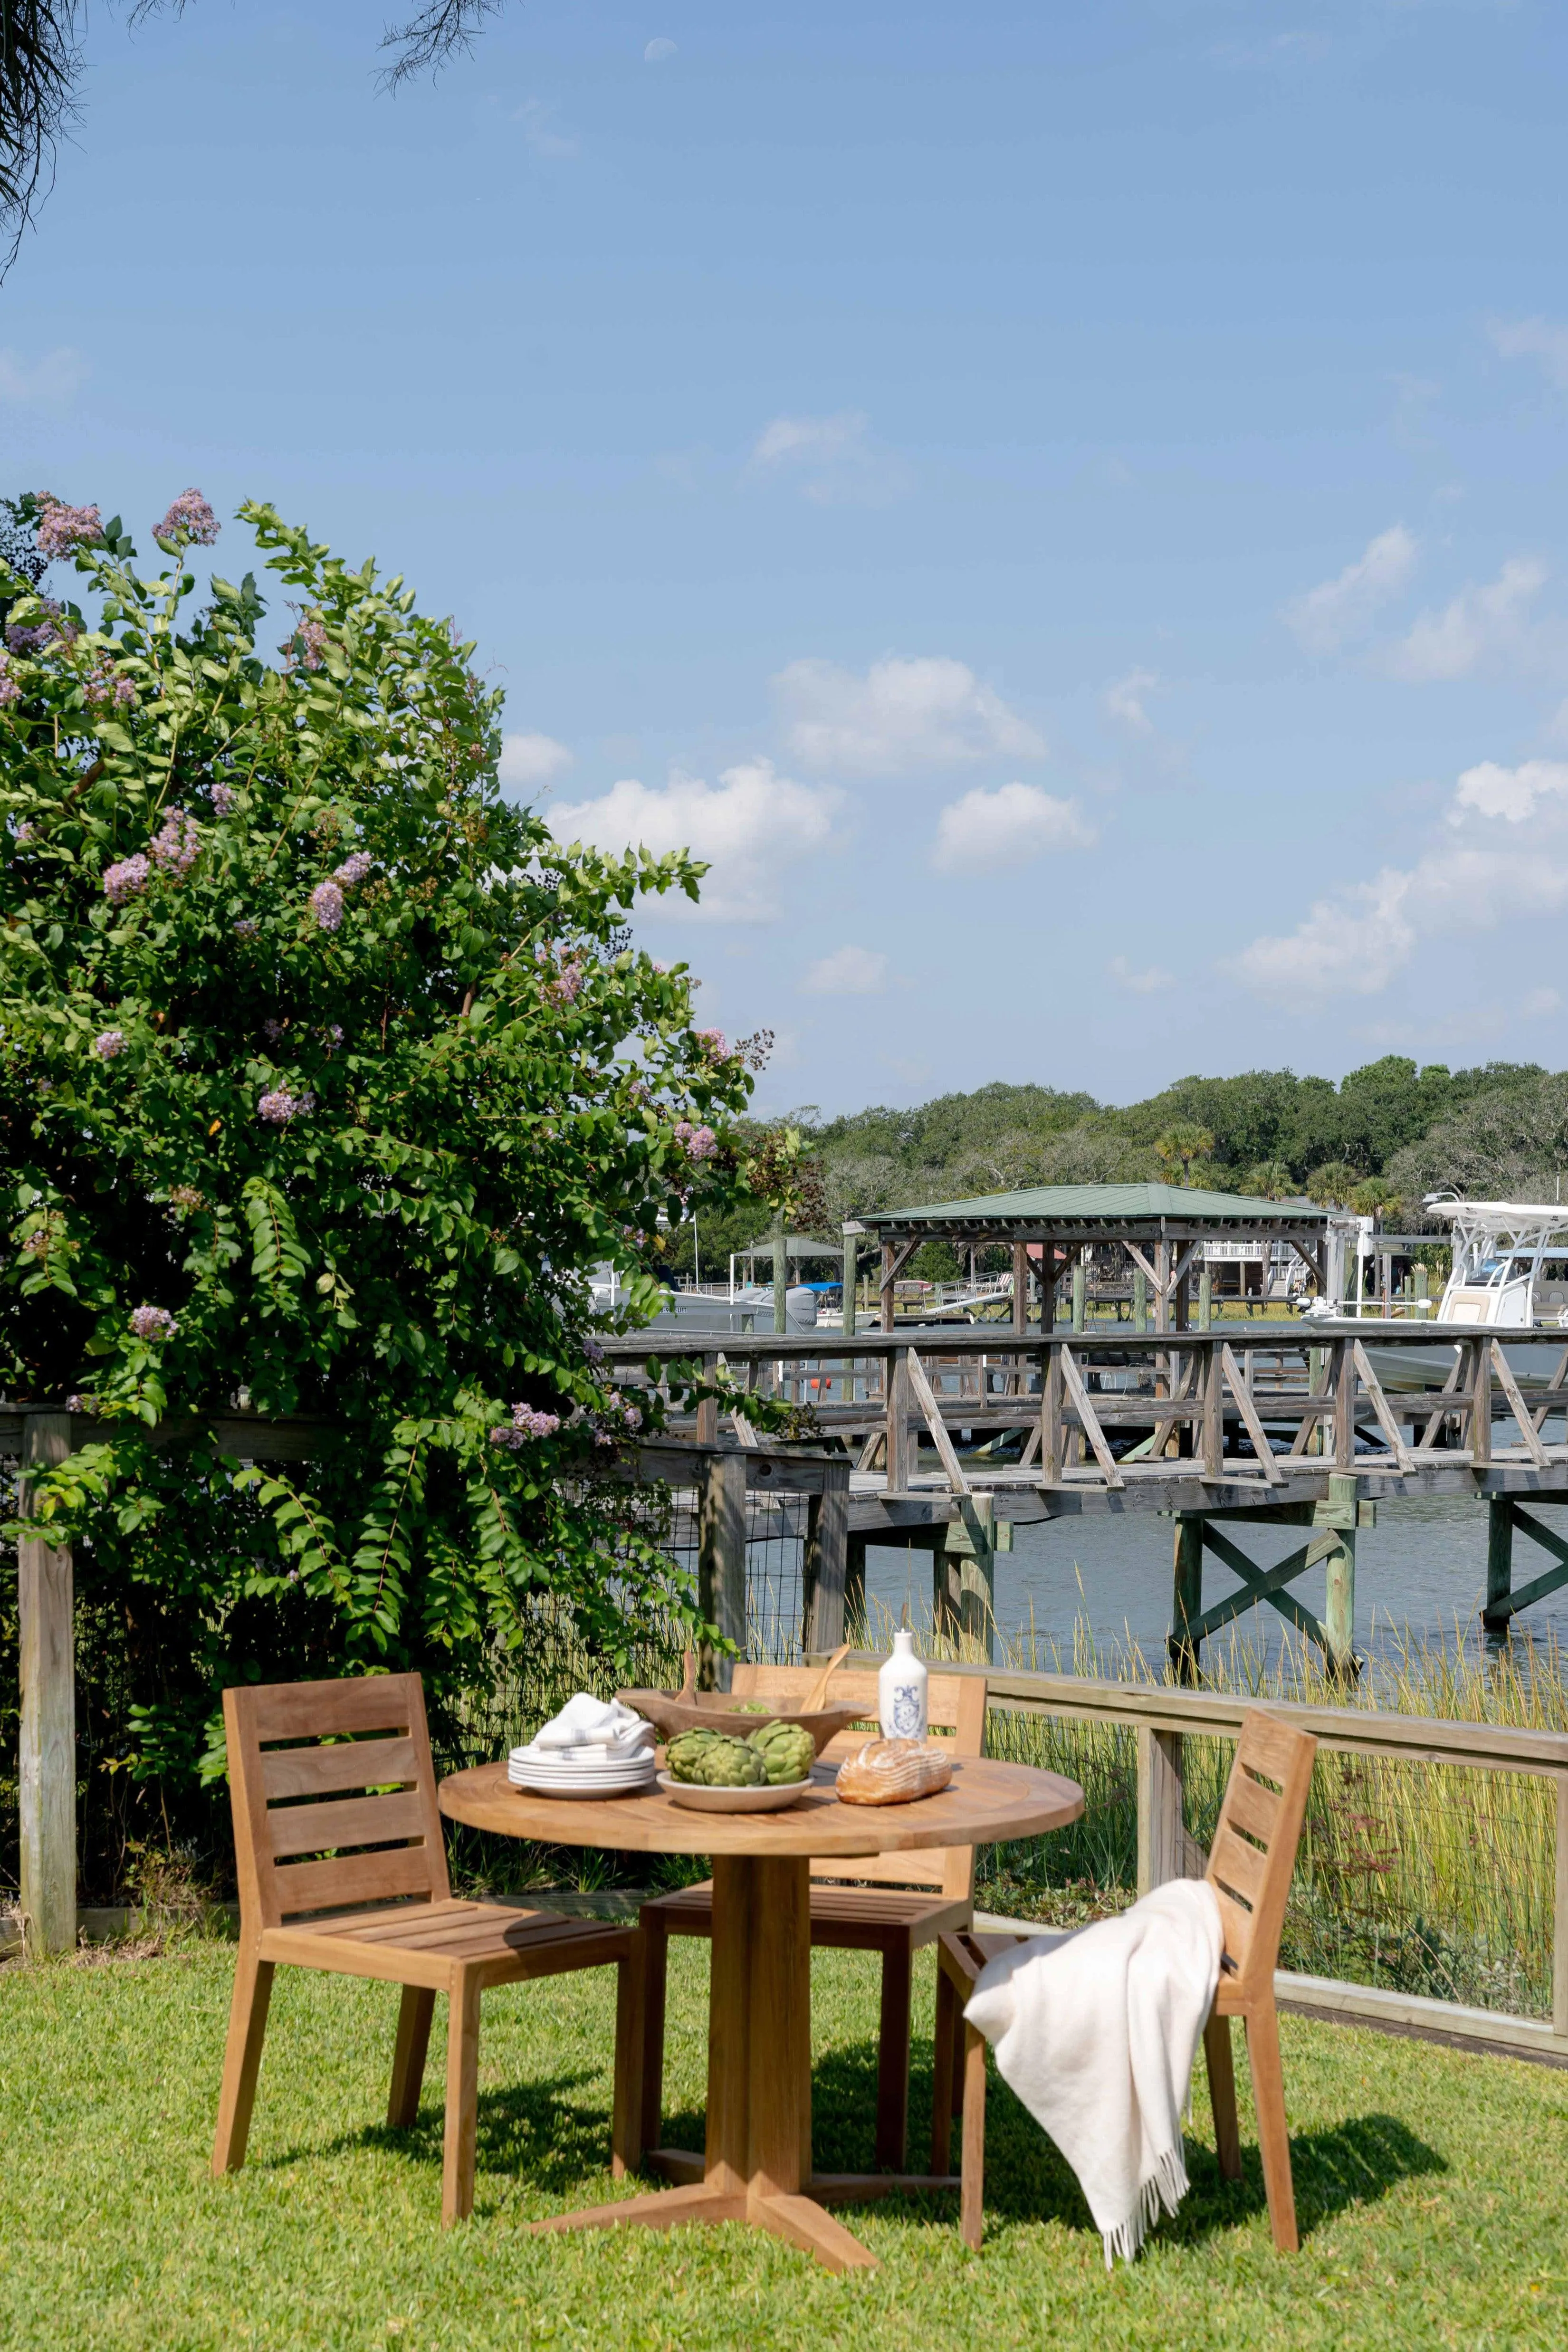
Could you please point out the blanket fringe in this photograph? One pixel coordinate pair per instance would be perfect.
(1166, 2186)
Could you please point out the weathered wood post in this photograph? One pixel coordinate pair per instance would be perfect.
(852, 1232)
(1020, 1287)
(887, 1292)
(1205, 1299)
(1140, 1299)
(722, 1561)
(47, 1748)
(1162, 1841)
(1187, 1596)
(1499, 1565)
(781, 1274)
(1340, 1515)
(825, 1560)
(1079, 1291)
(964, 1574)
(896, 1376)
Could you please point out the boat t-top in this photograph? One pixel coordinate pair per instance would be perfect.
(1511, 1262)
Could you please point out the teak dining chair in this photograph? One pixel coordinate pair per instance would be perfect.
(1249, 1868)
(343, 1866)
(915, 1898)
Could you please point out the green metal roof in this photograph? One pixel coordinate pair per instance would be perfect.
(1050, 1205)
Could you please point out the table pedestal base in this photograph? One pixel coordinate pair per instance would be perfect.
(758, 2159)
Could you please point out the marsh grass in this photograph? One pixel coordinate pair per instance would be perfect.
(1433, 1879)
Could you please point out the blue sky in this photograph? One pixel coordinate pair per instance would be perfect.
(1067, 507)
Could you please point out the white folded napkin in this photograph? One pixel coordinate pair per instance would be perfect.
(593, 1732)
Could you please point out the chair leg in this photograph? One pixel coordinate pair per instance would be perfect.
(655, 1970)
(943, 2087)
(462, 2095)
(626, 2136)
(242, 2058)
(1222, 2096)
(1273, 2138)
(409, 2056)
(972, 2196)
(893, 2057)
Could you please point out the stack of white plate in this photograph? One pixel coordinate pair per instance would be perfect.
(590, 1772)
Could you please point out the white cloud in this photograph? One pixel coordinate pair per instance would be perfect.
(1480, 628)
(1123, 700)
(930, 713)
(833, 458)
(1141, 983)
(658, 50)
(535, 118)
(848, 971)
(49, 381)
(530, 759)
(1534, 338)
(1472, 877)
(1339, 610)
(749, 827)
(1005, 828)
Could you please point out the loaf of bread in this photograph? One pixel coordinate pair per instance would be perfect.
(894, 1772)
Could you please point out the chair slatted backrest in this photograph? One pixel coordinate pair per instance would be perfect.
(334, 1793)
(1254, 1850)
(954, 1703)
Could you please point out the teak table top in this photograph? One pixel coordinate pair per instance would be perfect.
(757, 2168)
(983, 1803)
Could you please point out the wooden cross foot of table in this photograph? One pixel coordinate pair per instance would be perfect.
(757, 2168)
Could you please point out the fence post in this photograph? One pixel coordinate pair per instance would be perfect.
(824, 1561)
(1187, 1597)
(1161, 1832)
(721, 1562)
(897, 1377)
(46, 1749)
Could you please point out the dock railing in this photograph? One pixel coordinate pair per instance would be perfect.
(1162, 1717)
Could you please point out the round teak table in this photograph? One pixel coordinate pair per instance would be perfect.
(757, 2168)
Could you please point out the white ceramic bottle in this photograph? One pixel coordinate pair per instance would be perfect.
(901, 1691)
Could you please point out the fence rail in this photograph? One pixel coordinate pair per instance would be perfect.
(1162, 1717)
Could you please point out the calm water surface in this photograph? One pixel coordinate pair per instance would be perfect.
(1422, 1567)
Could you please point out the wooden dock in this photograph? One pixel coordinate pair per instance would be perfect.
(950, 1432)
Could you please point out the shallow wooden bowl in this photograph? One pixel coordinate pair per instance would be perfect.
(715, 1712)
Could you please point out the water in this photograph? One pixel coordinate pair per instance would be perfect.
(1423, 1567)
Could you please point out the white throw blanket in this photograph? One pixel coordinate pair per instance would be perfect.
(1096, 2033)
(592, 1731)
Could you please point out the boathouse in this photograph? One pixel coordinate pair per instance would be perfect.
(1167, 1235)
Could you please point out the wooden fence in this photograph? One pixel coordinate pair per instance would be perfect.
(1162, 1717)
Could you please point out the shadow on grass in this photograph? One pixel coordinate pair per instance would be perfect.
(537, 2132)
(1354, 2162)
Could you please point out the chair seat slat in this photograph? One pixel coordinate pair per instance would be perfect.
(318, 1710)
(1249, 1806)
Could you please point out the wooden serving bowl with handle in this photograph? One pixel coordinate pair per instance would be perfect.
(689, 1709)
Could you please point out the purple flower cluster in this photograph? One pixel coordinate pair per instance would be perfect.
(26, 833)
(185, 1196)
(223, 799)
(564, 980)
(154, 1323)
(273, 1031)
(63, 529)
(331, 1036)
(109, 1043)
(715, 1043)
(618, 1419)
(525, 1424)
(353, 870)
(36, 637)
(312, 638)
(104, 688)
(280, 1107)
(696, 1142)
(190, 520)
(326, 906)
(591, 1352)
(10, 684)
(178, 843)
(247, 928)
(126, 880)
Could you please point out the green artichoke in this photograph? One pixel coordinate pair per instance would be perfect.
(729, 1764)
(684, 1755)
(787, 1751)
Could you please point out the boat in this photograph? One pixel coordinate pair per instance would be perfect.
(1511, 1263)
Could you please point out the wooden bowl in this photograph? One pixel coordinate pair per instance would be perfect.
(714, 1711)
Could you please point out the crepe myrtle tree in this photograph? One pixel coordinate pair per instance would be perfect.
(326, 1075)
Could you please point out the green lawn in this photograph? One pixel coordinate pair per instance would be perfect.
(1433, 2190)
